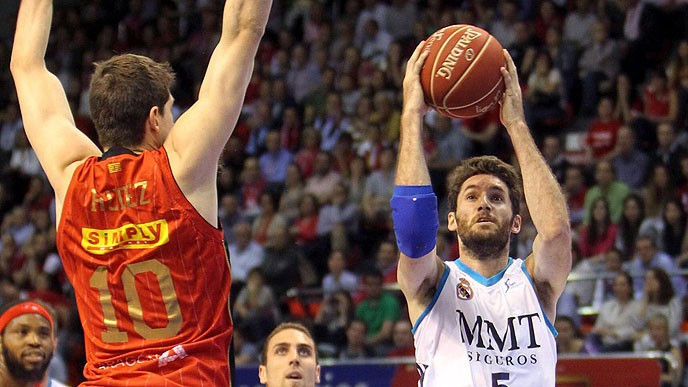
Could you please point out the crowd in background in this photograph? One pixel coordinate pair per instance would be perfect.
(305, 180)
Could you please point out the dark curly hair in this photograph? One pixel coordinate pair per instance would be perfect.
(485, 165)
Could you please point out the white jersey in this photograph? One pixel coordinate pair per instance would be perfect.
(485, 332)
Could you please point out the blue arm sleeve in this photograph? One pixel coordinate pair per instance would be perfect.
(414, 211)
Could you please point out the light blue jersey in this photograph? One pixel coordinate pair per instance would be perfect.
(485, 332)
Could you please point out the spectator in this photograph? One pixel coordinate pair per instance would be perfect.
(290, 128)
(343, 153)
(601, 135)
(331, 322)
(371, 145)
(548, 17)
(612, 331)
(268, 220)
(502, 26)
(338, 277)
(356, 346)
(357, 180)
(386, 259)
(274, 161)
(543, 97)
(608, 187)
(302, 77)
(332, 123)
(658, 338)
(658, 191)
(659, 297)
(669, 150)
(579, 22)
(554, 155)
(379, 187)
(659, 100)
(673, 232)
(647, 257)
(374, 42)
(399, 16)
(406, 375)
(252, 185)
(23, 158)
(259, 123)
(575, 189)
(452, 145)
(631, 165)
(245, 350)
(604, 285)
(245, 253)
(599, 65)
(387, 116)
(632, 216)
(378, 310)
(323, 178)
(284, 265)
(230, 215)
(402, 339)
(315, 103)
(308, 151)
(291, 194)
(565, 58)
(255, 306)
(303, 230)
(569, 339)
(338, 220)
(598, 236)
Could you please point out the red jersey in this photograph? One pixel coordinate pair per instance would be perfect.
(601, 137)
(151, 276)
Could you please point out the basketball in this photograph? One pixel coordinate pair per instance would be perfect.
(461, 76)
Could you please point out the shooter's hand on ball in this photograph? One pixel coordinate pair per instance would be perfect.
(414, 102)
(511, 111)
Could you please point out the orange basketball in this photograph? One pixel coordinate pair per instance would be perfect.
(461, 76)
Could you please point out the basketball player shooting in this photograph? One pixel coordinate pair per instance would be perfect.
(138, 225)
(484, 319)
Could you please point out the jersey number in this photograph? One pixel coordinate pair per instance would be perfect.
(112, 333)
(497, 377)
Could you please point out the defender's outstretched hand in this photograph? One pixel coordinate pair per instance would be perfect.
(414, 101)
(512, 101)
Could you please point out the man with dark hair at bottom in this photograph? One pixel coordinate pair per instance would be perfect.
(289, 357)
(28, 344)
(137, 224)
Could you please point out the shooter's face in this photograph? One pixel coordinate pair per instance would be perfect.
(484, 219)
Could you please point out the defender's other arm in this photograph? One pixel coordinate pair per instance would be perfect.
(47, 118)
(200, 134)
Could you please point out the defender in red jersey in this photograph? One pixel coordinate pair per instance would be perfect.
(138, 225)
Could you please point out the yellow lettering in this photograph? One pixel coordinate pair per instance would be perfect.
(96, 200)
(143, 184)
(120, 198)
(129, 236)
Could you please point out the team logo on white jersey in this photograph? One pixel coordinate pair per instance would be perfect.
(464, 290)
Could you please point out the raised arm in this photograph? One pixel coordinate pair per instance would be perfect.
(198, 137)
(45, 111)
(417, 276)
(550, 262)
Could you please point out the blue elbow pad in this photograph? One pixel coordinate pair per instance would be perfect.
(414, 211)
